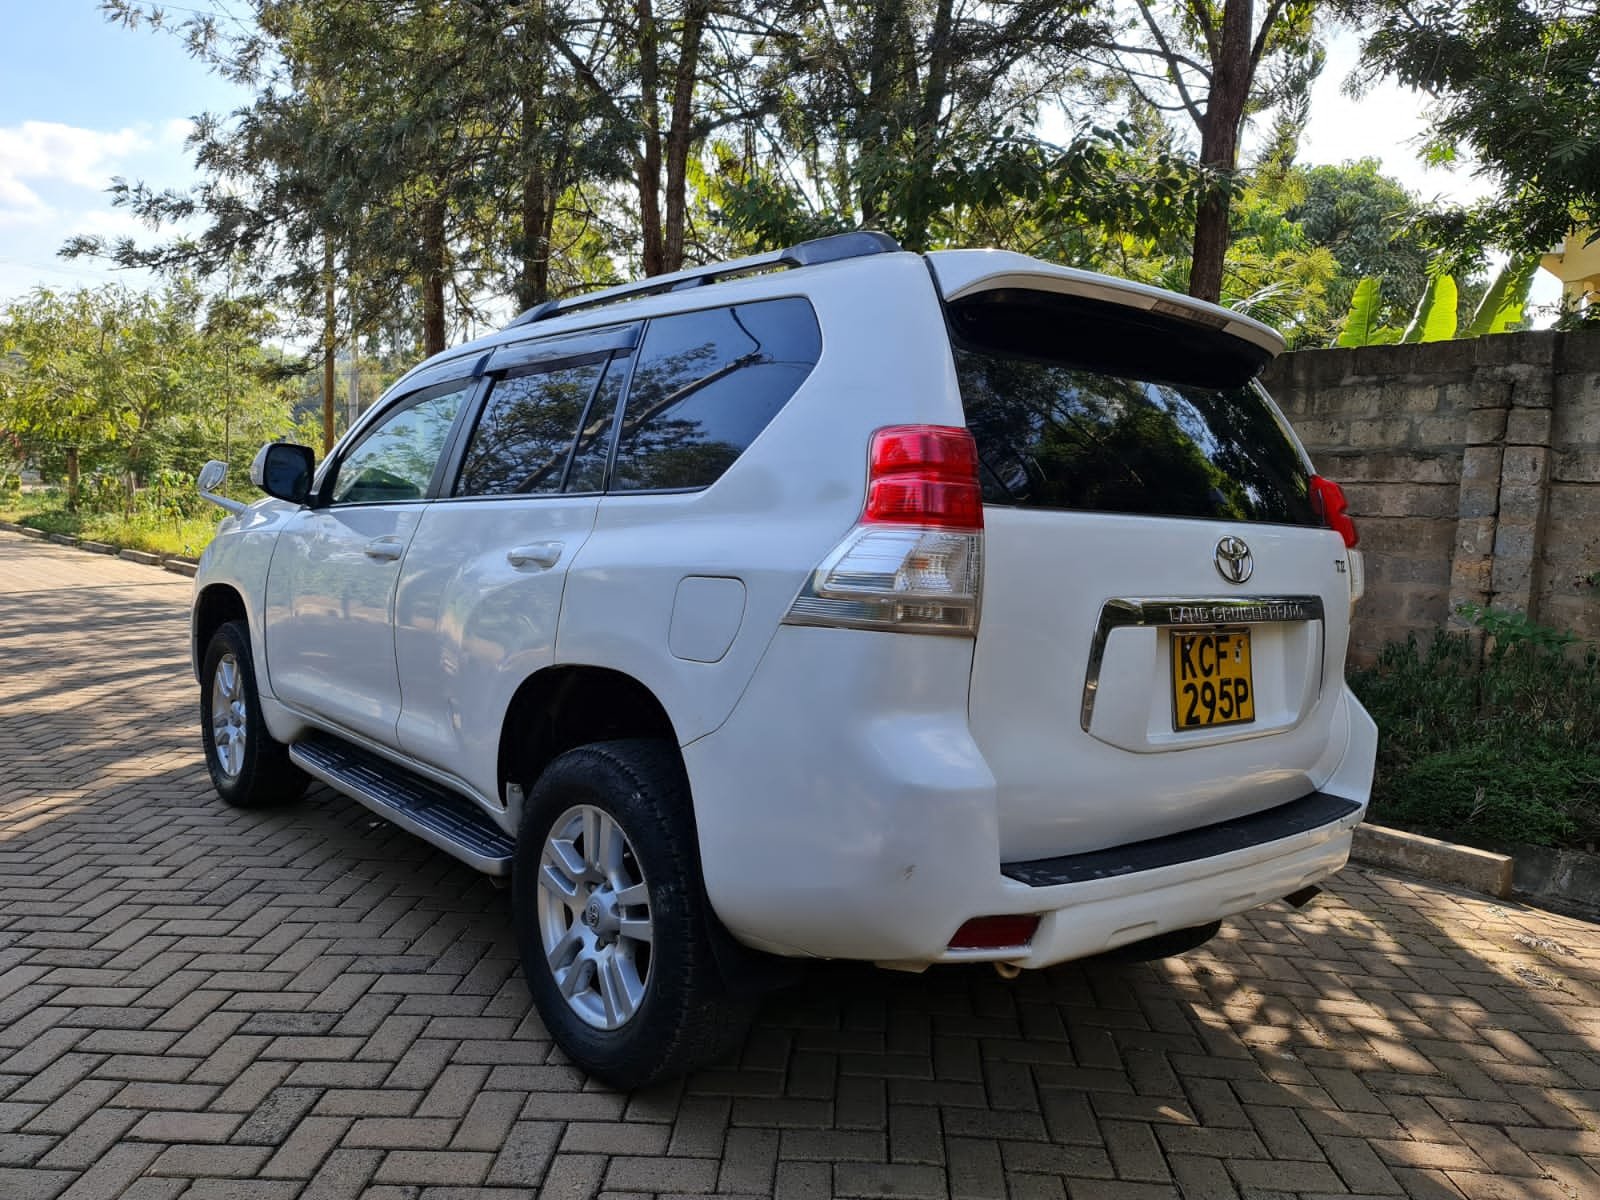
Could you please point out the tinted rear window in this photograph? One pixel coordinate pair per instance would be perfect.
(1052, 434)
(705, 385)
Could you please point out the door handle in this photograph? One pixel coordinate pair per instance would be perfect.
(384, 549)
(538, 554)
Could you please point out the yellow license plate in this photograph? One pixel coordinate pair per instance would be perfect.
(1211, 680)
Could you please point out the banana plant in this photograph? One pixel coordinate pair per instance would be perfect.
(1435, 318)
(1502, 308)
(1361, 327)
(1506, 301)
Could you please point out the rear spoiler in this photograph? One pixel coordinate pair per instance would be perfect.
(962, 274)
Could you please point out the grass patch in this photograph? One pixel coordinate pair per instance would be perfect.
(171, 537)
(1490, 749)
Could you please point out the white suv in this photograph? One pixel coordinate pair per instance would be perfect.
(839, 602)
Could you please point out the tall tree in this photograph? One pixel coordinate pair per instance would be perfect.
(1214, 63)
(649, 64)
(1514, 86)
(1369, 222)
(892, 114)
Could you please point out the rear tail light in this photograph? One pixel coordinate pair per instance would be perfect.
(914, 562)
(996, 933)
(1328, 502)
(924, 475)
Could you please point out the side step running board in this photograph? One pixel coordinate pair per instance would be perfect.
(435, 814)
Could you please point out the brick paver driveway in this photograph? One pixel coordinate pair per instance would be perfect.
(198, 1002)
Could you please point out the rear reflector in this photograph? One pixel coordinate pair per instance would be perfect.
(1328, 502)
(995, 933)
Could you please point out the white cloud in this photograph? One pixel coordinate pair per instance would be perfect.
(176, 131)
(20, 204)
(48, 157)
(53, 179)
(48, 150)
(109, 222)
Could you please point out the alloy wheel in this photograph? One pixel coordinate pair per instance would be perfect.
(229, 715)
(594, 916)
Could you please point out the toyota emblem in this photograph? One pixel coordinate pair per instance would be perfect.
(1233, 559)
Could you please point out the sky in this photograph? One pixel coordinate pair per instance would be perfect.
(82, 100)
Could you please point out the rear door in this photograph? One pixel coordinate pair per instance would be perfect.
(480, 594)
(1164, 614)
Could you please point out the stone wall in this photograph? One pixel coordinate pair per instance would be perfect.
(1472, 468)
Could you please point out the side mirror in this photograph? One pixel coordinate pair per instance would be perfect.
(212, 475)
(283, 470)
(210, 479)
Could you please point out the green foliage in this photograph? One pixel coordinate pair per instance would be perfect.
(131, 387)
(1435, 318)
(1504, 302)
(1500, 309)
(1367, 220)
(408, 167)
(1512, 86)
(1361, 326)
(1509, 628)
(1489, 745)
(146, 529)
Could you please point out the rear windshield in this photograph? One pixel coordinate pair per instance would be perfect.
(1052, 434)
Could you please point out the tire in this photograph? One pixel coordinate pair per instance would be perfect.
(1163, 945)
(249, 767)
(641, 1010)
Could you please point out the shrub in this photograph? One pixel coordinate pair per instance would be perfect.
(1490, 746)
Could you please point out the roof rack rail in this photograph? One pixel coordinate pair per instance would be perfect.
(805, 254)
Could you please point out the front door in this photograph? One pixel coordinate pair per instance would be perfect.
(331, 585)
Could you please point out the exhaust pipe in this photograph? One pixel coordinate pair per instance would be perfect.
(1007, 970)
(1302, 897)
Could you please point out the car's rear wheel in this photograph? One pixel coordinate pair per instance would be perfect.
(249, 767)
(612, 920)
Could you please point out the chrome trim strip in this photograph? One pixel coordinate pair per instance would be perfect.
(1189, 611)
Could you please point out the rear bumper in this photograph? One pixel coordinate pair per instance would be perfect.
(1080, 919)
(848, 813)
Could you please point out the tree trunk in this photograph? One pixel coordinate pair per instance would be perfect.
(533, 280)
(883, 74)
(680, 134)
(654, 250)
(926, 140)
(554, 185)
(433, 277)
(227, 404)
(1219, 148)
(352, 403)
(533, 277)
(72, 478)
(330, 337)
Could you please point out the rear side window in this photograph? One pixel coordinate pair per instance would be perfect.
(588, 472)
(1055, 434)
(526, 431)
(705, 385)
